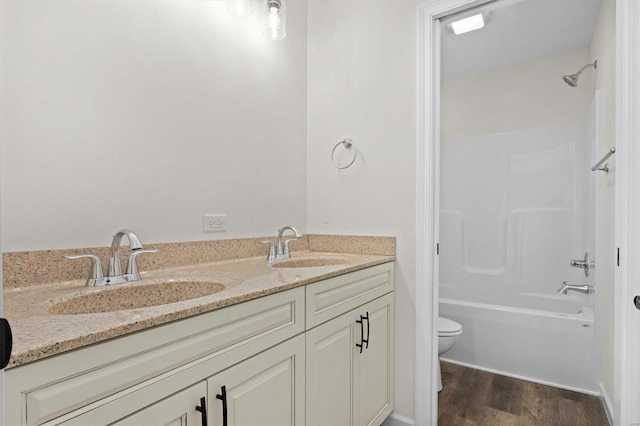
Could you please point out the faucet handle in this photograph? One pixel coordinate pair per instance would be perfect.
(286, 245)
(132, 266)
(95, 270)
(272, 250)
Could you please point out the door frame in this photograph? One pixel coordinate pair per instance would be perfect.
(627, 215)
(627, 206)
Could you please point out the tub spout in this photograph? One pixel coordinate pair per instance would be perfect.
(586, 289)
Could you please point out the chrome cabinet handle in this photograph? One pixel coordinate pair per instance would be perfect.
(202, 408)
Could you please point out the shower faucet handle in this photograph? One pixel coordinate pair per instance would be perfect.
(586, 263)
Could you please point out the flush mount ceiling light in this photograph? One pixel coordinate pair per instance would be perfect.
(470, 23)
(239, 8)
(275, 20)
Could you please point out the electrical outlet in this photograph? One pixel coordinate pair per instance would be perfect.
(214, 222)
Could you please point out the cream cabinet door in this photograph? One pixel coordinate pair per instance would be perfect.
(330, 371)
(350, 367)
(267, 389)
(373, 381)
(184, 408)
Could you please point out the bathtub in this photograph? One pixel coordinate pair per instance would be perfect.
(546, 338)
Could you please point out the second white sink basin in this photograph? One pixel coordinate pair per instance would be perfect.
(309, 262)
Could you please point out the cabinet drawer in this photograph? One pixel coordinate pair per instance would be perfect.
(98, 371)
(329, 298)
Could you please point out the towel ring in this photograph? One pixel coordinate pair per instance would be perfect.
(348, 144)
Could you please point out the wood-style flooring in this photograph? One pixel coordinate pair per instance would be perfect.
(473, 397)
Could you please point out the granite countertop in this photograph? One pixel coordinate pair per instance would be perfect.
(39, 333)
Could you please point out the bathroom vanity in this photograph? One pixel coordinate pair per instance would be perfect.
(314, 348)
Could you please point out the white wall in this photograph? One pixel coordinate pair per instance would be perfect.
(146, 115)
(362, 85)
(603, 49)
(517, 97)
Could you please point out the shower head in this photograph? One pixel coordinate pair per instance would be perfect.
(572, 79)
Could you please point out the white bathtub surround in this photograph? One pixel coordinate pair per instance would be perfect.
(513, 210)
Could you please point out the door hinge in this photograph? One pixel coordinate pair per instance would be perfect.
(6, 342)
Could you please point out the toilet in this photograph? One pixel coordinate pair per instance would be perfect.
(448, 333)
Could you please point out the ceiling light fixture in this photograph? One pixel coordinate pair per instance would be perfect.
(275, 20)
(239, 8)
(470, 23)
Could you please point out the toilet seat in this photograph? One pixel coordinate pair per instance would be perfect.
(447, 327)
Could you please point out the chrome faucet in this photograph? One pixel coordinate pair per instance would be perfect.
(114, 274)
(586, 289)
(115, 264)
(280, 250)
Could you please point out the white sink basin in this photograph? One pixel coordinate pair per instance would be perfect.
(123, 297)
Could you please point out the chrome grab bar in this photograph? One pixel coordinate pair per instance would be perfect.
(604, 167)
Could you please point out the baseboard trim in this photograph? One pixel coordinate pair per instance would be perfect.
(398, 420)
(606, 402)
(516, 376)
